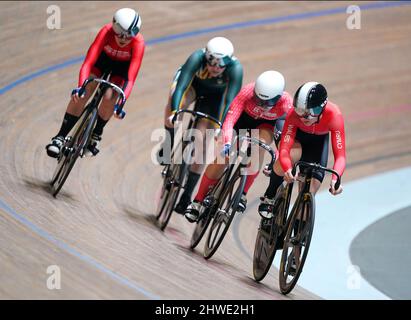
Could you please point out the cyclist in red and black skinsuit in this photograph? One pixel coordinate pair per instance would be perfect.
(118, 49)
(306, 135)
(260, 105)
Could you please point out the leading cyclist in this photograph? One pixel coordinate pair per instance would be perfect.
(119, 49)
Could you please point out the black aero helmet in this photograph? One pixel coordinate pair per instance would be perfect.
(310, 99)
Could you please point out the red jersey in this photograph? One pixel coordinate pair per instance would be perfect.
(105, 40)
(244, 102)
(331, 121)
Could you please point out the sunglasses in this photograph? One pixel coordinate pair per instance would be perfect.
(221, 63)
(266, 104)
(310, 114)
(123, 35)
(215, 63)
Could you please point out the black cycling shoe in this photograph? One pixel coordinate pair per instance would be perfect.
(182, 204)
(91, 149)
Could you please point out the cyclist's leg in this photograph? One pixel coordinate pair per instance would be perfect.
(315, 150)
(73, 112)
(202, 140)
(210, 178)
(212, 174)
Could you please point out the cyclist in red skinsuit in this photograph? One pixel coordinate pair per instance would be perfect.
(306, 135)
(331, 121)
(118, 49)
(248, 111)
(244, 103)
(131, 54)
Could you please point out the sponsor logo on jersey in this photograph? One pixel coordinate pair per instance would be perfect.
(339, 139)
(287, 136)
(117, 53)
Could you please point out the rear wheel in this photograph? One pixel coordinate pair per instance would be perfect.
(296, 243)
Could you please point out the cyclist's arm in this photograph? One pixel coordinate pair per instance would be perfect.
(234, 112)
(135, 64)
(235, 76)
(338, 144)
(187, 73)
(287, 141)
(93, 54)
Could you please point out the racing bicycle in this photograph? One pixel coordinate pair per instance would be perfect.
(289, 231)
(221, 203)
(74, 145)
(176, 172)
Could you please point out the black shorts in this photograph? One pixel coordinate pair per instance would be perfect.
(208, 105)
(247, 122)
(314, 149)
(117, 68)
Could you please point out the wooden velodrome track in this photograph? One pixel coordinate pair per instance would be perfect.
(100, 229)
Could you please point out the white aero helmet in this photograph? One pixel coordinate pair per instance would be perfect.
(126, 22)
(268, 89)
(219, 51)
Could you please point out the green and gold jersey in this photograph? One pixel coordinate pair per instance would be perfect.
(223, 87)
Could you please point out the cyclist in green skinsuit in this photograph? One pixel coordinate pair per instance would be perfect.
(211, 76)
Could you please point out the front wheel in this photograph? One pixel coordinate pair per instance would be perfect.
(200, 228)
(224, 214)
(174, 183)
(71, 151)
(266, 243)
(296, 243)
